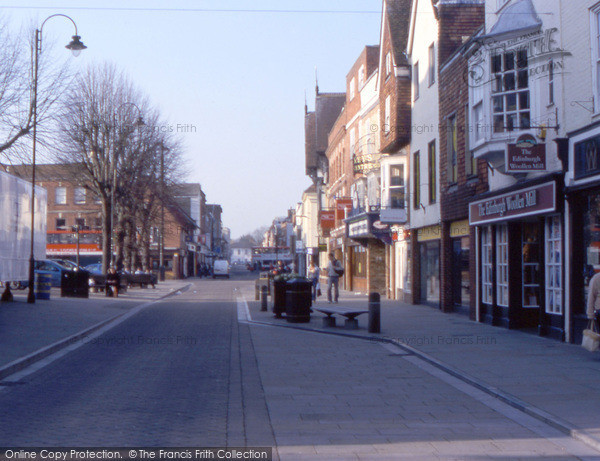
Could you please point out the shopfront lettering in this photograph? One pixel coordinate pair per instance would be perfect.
(530, 201)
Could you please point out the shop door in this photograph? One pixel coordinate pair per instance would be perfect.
(430, 273)
(460, 273)
(529, 315)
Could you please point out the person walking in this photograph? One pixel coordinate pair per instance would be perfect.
(313, 275)
(334, 271)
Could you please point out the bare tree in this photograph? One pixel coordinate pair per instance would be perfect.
(16, 101)
(118, 156)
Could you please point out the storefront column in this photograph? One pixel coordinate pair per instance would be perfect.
(415, 268)
(446, 266)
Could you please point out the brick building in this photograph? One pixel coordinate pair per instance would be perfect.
(394, 133)
(71, 202)
(462, 176)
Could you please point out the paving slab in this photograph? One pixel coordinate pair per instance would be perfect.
(557, 382)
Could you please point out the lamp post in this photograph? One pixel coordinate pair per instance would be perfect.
(76, 46)
(139, 123)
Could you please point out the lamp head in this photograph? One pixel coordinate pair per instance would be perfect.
(76, 46)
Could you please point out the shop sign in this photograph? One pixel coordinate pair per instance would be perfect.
(526, 155)
(587, 158)
(459, 228)
(191, 247)
(526, 202)
(340, 208)
(429, 233)
(359, 228)
(322, 247)
(364, 163)
(327, 219)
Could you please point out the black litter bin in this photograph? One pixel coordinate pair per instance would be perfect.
(75, 284)
(298, 299)
(279, 290)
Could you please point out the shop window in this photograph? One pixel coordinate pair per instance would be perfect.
(531, 265)
(510, 91)
(486, 265)
(554, 266)
(359, 261)
(502, 265)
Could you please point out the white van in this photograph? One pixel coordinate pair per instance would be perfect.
(220, 268)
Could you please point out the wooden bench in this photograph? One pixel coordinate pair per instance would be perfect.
(348, 312)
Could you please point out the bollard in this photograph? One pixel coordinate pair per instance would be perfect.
(374, 313)
(263, 298)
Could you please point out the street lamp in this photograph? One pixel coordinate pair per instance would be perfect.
(76, 47)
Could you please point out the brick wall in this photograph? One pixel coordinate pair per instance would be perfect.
(399, 90)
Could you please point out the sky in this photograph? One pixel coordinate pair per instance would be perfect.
(231, 83)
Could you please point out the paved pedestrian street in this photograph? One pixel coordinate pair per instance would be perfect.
(201, 368)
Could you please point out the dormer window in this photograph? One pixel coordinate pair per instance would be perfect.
(510, 91)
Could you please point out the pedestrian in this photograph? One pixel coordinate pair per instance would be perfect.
(113, 282)
(313, 275)
(593, 301)
(334, 271)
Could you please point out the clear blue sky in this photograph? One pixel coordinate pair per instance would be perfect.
(239, 78)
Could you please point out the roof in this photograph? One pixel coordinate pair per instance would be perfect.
(398, 15)
(327, 109)
(47, 172)
(311, 189)
(310, 147)
(518, 17)
(187, 190)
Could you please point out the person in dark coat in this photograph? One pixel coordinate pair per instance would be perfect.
(113, 282)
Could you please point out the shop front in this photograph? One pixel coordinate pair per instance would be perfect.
(457, 270)
(428, 248)
(520, 271)
(583, 201)
(366, 237)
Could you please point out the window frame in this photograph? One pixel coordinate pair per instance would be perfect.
(502, 266)
(432, 164)
(417, 180)
(452, 148)
(431, 68)
(397, 187)
(487, 283)
(415, 81)
(388, 64)
(387, 115)
(501, 97)
(553, 266)
(58, 197)
(77, 199)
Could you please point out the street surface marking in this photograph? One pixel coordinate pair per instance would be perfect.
(570, 445)
(242, 310)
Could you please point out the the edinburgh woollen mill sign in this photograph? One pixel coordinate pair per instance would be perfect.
(526, 202)
(526, 155)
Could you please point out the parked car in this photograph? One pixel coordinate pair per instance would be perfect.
(55, 269)
(68, 264)
(220, 268)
